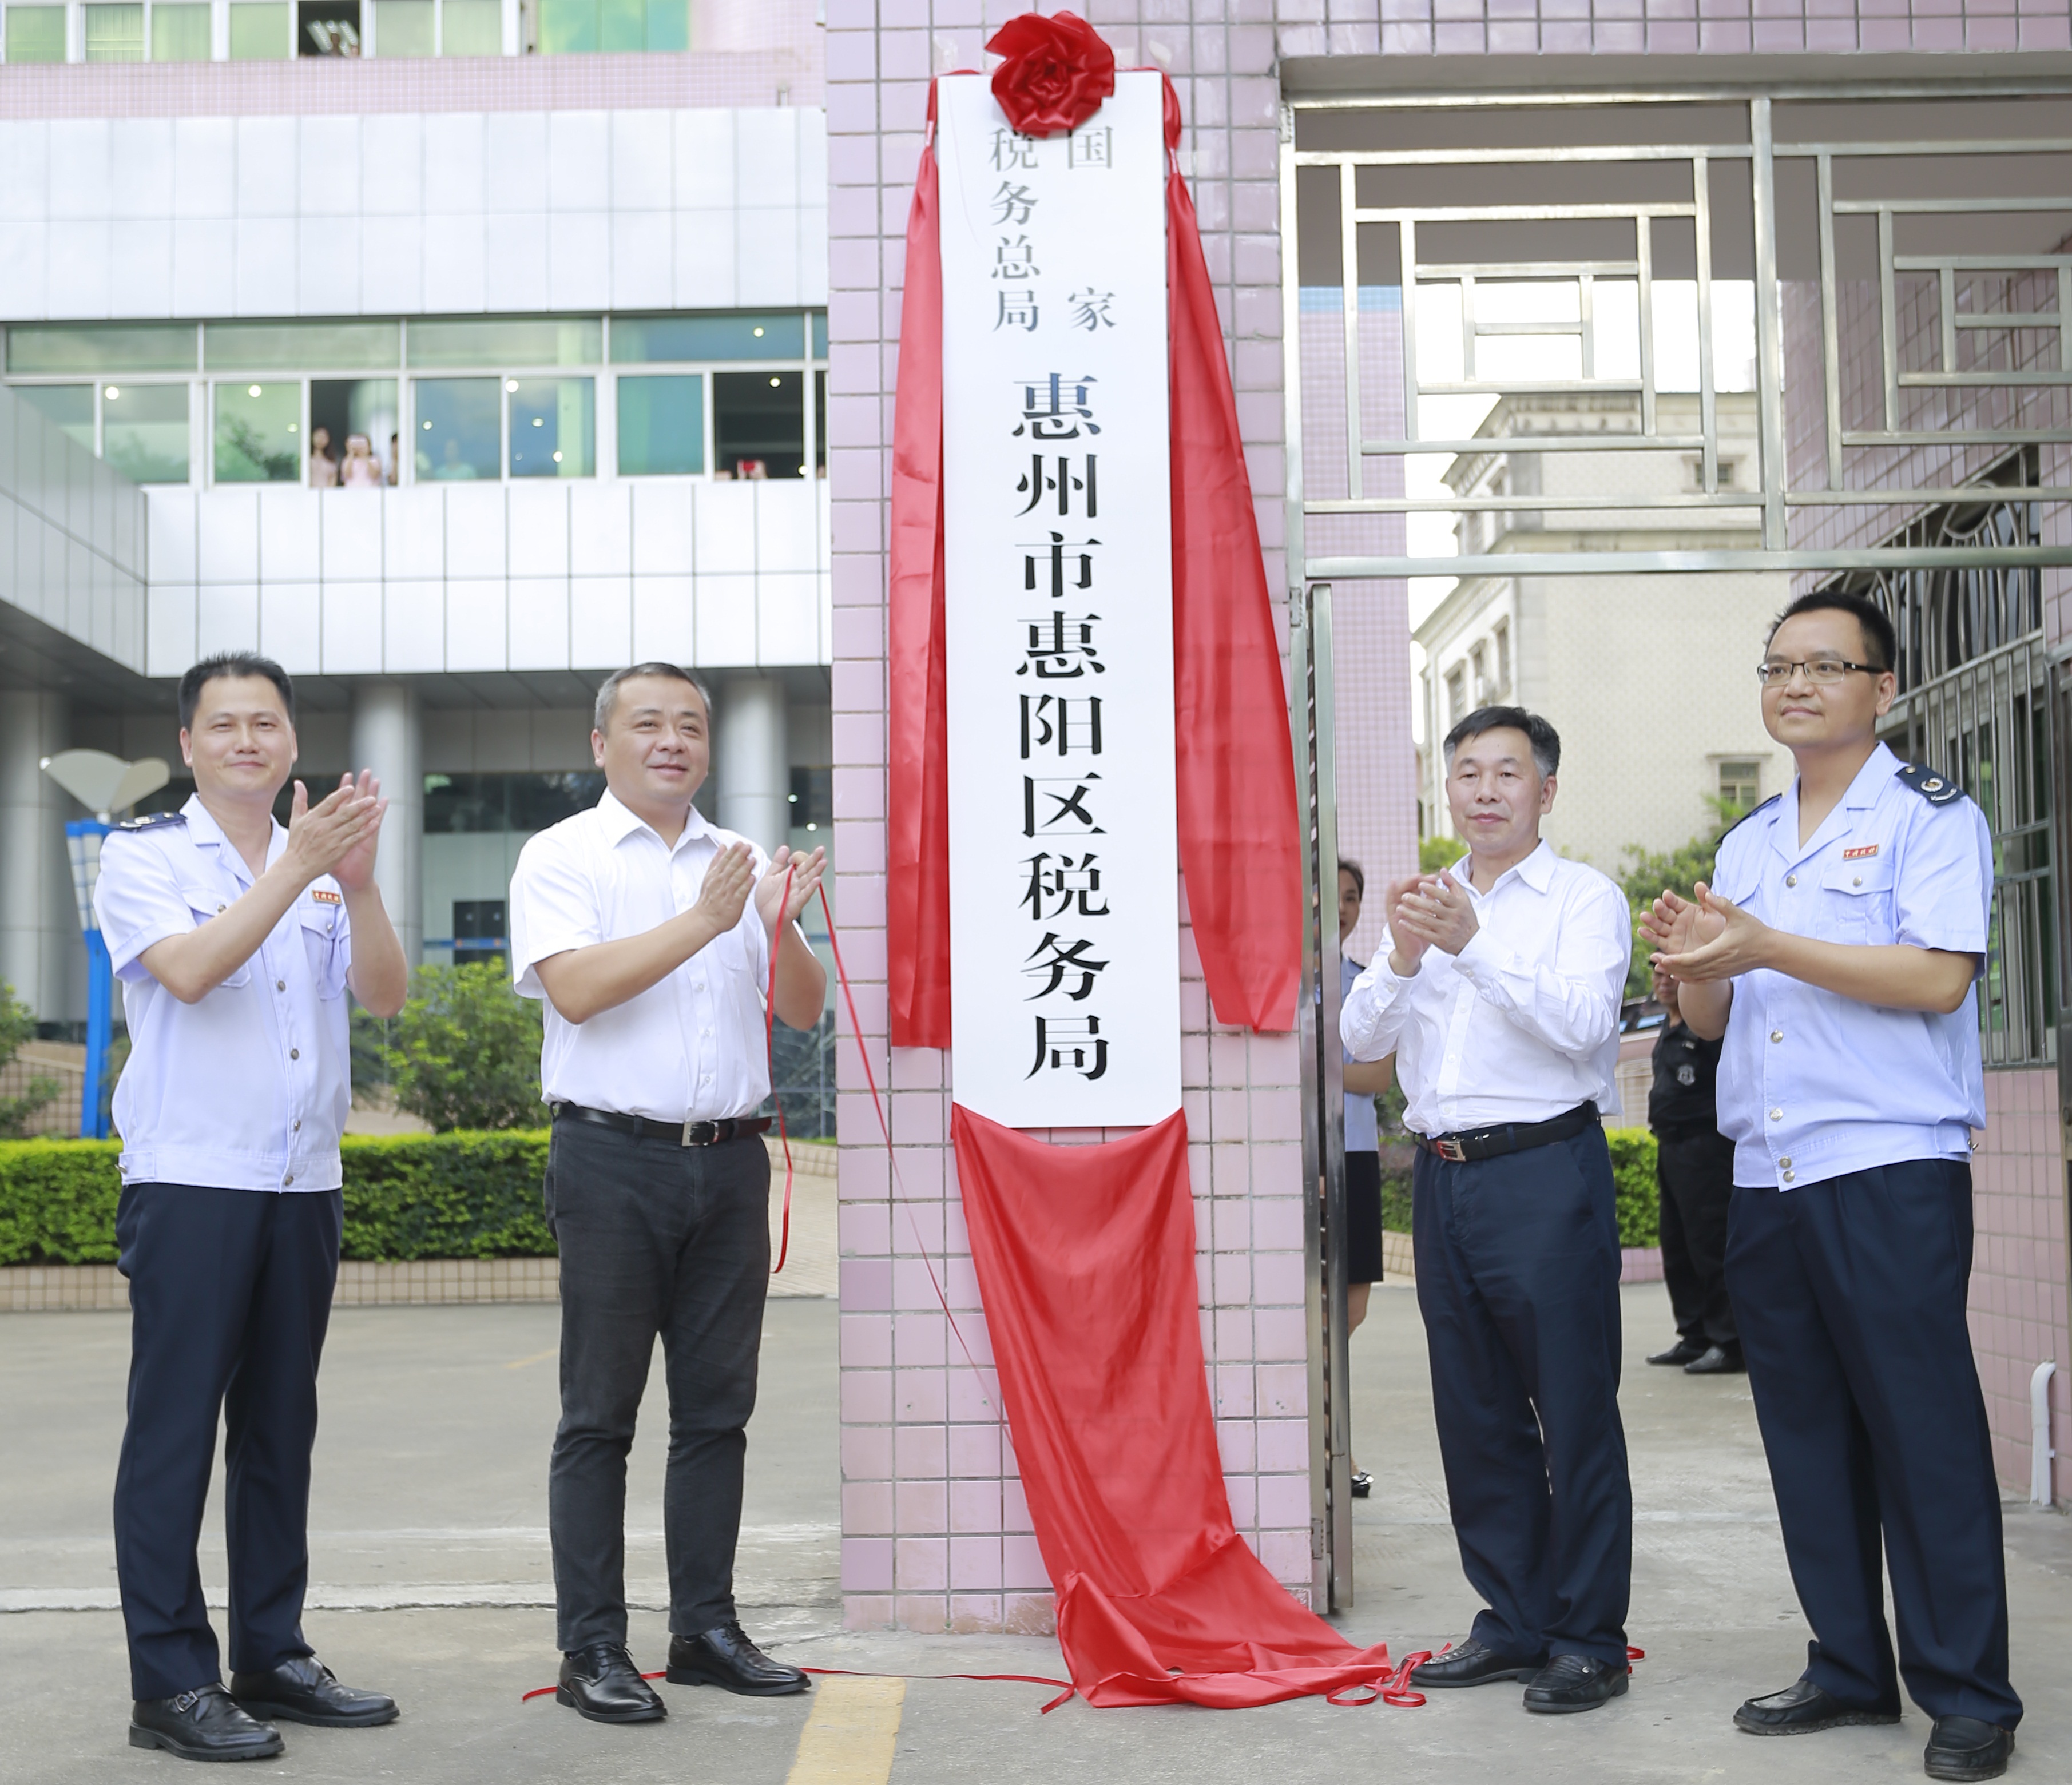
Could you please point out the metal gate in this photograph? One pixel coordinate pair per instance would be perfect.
(1547, 256)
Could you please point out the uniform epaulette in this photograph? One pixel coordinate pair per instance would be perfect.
(1749, 814)
(150, 821)
(1937, 790)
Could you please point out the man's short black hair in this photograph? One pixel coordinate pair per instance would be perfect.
(1347, 865)
(232, 666)
(1880, 641)
(1545, 741)
(607, 696)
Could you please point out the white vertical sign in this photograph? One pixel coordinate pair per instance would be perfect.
(1064, 951)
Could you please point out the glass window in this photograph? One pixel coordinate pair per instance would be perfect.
(69, 406)
(820, 334)
(35, 33)
(179, 33)
(458, 428)
(302, 347)
(821, 424)
(1741, 783)
(99, 347)
(572, 27)
(114, 34)
(509, 341)
(328, 27)
(259, 30)
(344, 411)
(553, 427)
(758, 425)
(258, 432)
(637, 340)
(403, 27)
(144, 431)
(471, 27)
(661, 425)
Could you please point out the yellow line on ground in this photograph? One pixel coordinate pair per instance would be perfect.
(537, 1357)
(849, 1739)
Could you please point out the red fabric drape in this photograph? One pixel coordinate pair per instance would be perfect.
(1085, 1257)
(1235, 762)
(916, 918)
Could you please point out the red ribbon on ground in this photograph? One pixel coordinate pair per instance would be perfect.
(1234, 761)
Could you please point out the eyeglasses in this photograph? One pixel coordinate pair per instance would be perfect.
(1822, 672)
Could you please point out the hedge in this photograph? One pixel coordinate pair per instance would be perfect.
(453, 1196)
(1633, 1173)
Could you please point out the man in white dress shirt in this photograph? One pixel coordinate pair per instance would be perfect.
(634, 922)
(1498, 987)
(235, 937)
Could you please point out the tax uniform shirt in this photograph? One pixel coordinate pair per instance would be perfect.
(248, 1088)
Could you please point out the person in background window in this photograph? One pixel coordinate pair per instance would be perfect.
(1363, 1083)
(323, 468)
(455, 465)
(395, 459)
(362, 470)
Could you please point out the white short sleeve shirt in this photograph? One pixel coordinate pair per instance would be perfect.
(248, 1088)
(693, 1048)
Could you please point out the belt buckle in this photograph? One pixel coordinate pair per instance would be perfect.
(687, 1141)
(1448, 1148)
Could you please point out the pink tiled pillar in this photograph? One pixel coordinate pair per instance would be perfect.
(935, 1533)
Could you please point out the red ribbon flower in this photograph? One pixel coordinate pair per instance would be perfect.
(1057, 73)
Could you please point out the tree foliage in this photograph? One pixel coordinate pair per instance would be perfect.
(1434, 853)
(1642, 875)
(17, 1024)
(465, 1052)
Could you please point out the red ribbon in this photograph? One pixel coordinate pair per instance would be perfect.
(770, 1049)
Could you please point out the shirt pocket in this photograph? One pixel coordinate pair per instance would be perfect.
(320, 941)
(204, 903)
(1857, 901)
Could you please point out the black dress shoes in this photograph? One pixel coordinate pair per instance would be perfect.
(202, 1725)
(1362, 1485)
(601, 1683)
(1963, 1747)
(1574, 1683)
(1685, 1351)
(725, 1657)
(1472, 1664)
(1717, 1361)
(1802, 1708)
(305, 1691)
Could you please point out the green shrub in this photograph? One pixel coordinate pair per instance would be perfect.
(17, 1024)
(1633, 1174)
(453, 1196)
(465, 1052)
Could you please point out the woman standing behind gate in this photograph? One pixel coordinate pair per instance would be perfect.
(1363, 1083)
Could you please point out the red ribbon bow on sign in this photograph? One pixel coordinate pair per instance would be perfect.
(1057, 73)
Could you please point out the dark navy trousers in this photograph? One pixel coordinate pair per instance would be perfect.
(1518, 1271)
(229, 1295)
(1851, 1298)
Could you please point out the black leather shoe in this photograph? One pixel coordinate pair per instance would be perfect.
(1963, 1747)
(601, 1683)
(1802, 1708)
(725, 1657)
(1472, 1664)
(1717, 1361)
(202, 1725)
(1685, 1351)
(305, 1691)
(1362, 1485)
(1574, 1683)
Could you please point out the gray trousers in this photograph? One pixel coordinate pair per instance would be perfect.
(656, 1240)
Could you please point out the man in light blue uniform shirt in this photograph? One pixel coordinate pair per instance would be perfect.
(1837, 951)
(235, 939)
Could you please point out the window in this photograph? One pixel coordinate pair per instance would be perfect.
(113, 33)
(1456, 696)
(258, 432)
(179, 33)
(327, 27)
(471, 27)
(259, 30)
(101, 346)
(508, 341)
(459, 434)
(1500, 637)
(297, 347)
(35, 33)
(476, 804)
(1741, 783)
(661, 425)
(553, 426)
(69, 406)
(812, 799)
(1478, 663)
(405, 28)
(758, 425)
(641, 340)
(572, 27)
(479, 932)
(144, 431)
(342, 409)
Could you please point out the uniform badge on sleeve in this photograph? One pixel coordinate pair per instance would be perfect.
(324, 897)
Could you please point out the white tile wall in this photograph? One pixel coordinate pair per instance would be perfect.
(140, 167)
(475, 538)
(474, 625)
(290, 539)
(392, 155)
(641, 165)
(291, 625)
(352, 543)
(539, 527)
(726, 620)
(227, 617)
(169, 645)
(600, 622)
(726, 529)
(578, 161)
(538, 623)
(665, 620)
(579, 260)
(267, 167)
(140, 261)
(352, 622)
(664, 537)
(601, 530)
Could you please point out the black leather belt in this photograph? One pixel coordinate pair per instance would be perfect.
(677, 1134)
(1510, 1137)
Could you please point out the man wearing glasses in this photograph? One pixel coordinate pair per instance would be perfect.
(1837, 952)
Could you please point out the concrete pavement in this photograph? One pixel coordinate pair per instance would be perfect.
(431, 1578)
